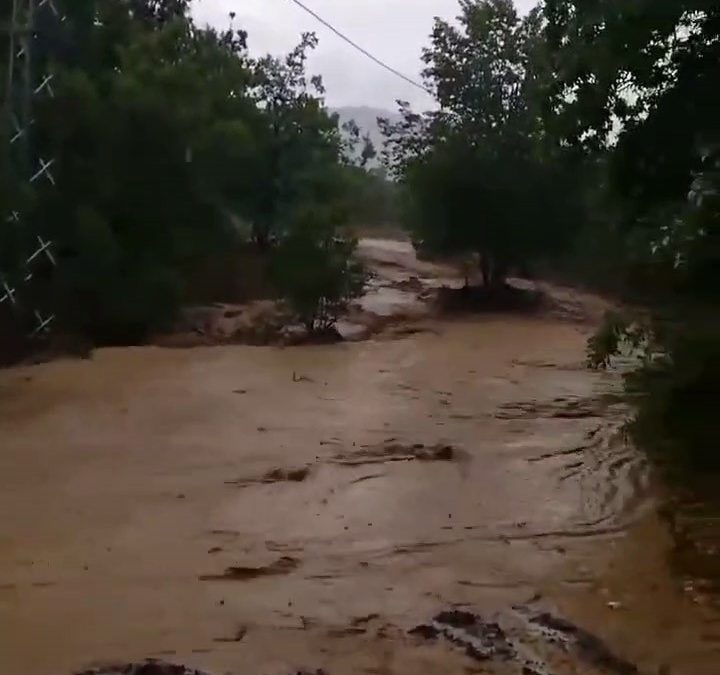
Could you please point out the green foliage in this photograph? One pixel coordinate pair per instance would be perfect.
(372, 199)
(678, 398)
(140, 201)
(627, 76)
(316, 272)
(302, 145)
(636, 83)
(172, 146)
(674, 385)
(478, 173)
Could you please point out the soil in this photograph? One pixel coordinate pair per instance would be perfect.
(324, 500)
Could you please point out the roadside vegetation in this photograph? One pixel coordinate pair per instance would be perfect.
(178, 157)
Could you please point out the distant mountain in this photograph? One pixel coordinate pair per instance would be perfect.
(366, 118)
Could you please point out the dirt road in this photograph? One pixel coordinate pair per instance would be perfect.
(265, 510)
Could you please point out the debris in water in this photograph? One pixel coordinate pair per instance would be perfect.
(361, 620)
(287, 475)
(505, 640)
(295, 475)
(558, 408)
(589, 647)
(283, 565)
(482, 640)
(150, 667)
(399, 452)
(238, 637)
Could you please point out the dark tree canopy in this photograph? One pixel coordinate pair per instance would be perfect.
(172, 148)
(478, 171)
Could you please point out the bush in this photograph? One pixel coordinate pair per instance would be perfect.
(318, 276)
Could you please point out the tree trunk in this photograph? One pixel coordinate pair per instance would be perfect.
(500, 271)
(486, 270)
(493, 272)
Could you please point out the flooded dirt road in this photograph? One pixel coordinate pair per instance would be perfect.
(266, 510)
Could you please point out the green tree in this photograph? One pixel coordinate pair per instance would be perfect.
(627, 76)
(478, 172)
(637, 84)
(303, 145)
(154, 153)
(301, 188)
(316, 270)
(168, 139)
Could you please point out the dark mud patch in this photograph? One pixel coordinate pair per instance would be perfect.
(505, 298)
(570, 408)
(534, 642)
(150, 667)
(362, 479)
(392, 451)
(590, 648)
(284, 565)
(364, 620)
(153, 667)
(294, 475)
(482, 640)
(578, 366)
(239, 635)
(329, 336)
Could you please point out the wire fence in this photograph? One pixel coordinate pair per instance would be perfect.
(27, 81)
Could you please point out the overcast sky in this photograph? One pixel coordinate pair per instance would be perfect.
(393, 30)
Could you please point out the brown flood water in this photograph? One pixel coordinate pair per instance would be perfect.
(261, 510)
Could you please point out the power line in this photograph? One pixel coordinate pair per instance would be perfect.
(362, 50)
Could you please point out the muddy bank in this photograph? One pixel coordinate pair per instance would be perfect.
(402, 296)
(321, 502)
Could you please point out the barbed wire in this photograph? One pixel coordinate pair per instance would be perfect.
(24, 85)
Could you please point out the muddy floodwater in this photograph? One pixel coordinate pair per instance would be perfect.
(266, 510)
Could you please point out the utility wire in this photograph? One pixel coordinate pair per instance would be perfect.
(362, 50)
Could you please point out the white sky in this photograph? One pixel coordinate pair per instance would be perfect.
(393, 30)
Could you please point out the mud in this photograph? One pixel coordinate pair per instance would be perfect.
(329, 498)
(240, 633)
(482, 640)
(148, 668)
(558, 408)
(537, 646)
(297, 475)
(283, 565)
(590, 647)
(392, 451)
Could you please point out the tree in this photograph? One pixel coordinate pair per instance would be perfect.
(626, 76)
(302, 141)
(168, 139)
(477, 171)
(152, 130)
(301, 189)
(316, 272)
(637, 83)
